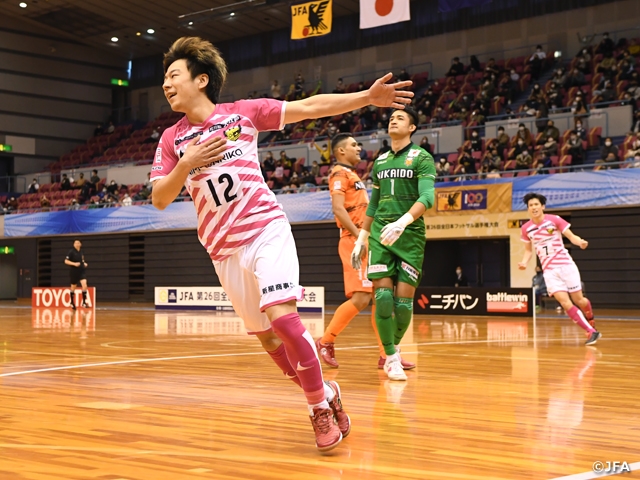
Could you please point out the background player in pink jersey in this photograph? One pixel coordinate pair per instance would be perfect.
(544, 233)
(213, 151)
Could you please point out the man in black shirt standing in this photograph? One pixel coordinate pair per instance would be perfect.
(77, 274)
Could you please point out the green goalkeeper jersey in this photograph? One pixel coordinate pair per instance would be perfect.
(397, 176)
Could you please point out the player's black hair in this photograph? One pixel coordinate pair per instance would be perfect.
(413, 115)
(337, 140)
(536, 196)
(202, 58)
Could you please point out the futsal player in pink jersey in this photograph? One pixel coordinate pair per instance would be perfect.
(213, 151)
(544, 233)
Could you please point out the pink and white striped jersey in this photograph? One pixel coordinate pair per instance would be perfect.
(233, 201)
(547, 240)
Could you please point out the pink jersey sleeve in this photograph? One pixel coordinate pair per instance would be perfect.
(560, 222)
(265, 113)
(523, 233)
(165, 159)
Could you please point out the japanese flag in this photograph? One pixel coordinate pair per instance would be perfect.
(374, 13)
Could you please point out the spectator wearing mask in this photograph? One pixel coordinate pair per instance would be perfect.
(126, 200)
(65, 183)
(286, 162)
(112, 188)
(81, 181)
(632, 156)
(443, 167)
(34, 187)
(456, 69)
(460, 279)
(575, 150)
(45, 203)
(536, 61)
(550, 131)
(606, 45)
(581, 132)
(325, 153)
(95, 179)
(476, 142)
(502, 141)
(548, 150)
(276, 90)
(608, 155)
(524, 134)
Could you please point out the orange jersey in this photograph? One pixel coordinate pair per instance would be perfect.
(344, 180)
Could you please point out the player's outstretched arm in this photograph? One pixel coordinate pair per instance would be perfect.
(528, 252)
(196, 155)
(575, 239)
(381, 94)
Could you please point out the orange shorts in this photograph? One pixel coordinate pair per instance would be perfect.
(354, 280)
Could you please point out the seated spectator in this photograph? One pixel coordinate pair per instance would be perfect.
(422, 117)
(467, 162)
(502, 141)
(80, 182)
(383, 149)
(581, 132)
(99, 130)
(285, 161)
(143, 195)
(34, 187)
(583, 62)
(474, 64)
(554, 96)
(74, 205)
(276, 90)
(576, 150)
(45, 203)
(443, 167)
(519, 148)
(112, 188)
(509, 113)
(632, 156)
(524, 161)
(126, 200)
(363, 153)
(559, 77)
(278, 176)
(549, 149)
(340, 87)
(154, 137)
(95, 179)
(269, 163)
(12, 204)
(575, 79)
(65, 183)
(606, 95)
(456, 68)
(550, 131)
(607, 64)
(608, 155)
(111, 128)
(404, 76)
(579, 108)
(476, 142)
(491, 68)
(524, 134)
(606, 45)
(315, 169)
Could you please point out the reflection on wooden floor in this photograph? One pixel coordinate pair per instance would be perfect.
(132, 394)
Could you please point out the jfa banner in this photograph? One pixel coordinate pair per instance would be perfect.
(492, 198)
(215, 298)
(311, 19)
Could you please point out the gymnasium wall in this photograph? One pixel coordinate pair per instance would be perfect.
(126, 267)
(53, 92)
(556, 31)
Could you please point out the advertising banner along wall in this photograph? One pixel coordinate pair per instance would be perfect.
(60, 297)
(473, 301)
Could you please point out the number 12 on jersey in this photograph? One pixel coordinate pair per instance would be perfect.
(225, 178)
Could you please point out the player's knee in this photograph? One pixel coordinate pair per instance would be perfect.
(361, 300)
(403, 308)
(384, 302)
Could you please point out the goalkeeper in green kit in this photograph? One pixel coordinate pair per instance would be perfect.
(403, 189)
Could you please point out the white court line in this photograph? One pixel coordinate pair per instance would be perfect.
(217, 355)
(592, 475)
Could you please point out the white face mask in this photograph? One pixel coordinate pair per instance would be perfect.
(608, 144)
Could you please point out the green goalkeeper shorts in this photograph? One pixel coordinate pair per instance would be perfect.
(401, 261)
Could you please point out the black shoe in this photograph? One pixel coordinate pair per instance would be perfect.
(73, 306)
(84, 305)
(593, 338)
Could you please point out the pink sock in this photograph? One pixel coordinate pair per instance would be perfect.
(280, 357)
(588, 312)
(302, 355)
(578, 317)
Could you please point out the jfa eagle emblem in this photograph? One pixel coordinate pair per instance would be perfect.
(316, 16)
(233, 133)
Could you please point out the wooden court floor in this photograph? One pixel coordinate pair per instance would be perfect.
(128, 393)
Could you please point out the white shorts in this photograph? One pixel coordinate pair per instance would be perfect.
(563, 279)
(263, 273)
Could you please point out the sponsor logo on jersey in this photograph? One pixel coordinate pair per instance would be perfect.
(188, 137)
(550, 229)
(360, 186)
(413, 153)
(395, 173)
(412, 272)
(337, 185)
(377, 268)
(158, 155)
(233, 133)
(156, 168)
(229, 154)
(226, 123)
(278, 287)
(382, 157)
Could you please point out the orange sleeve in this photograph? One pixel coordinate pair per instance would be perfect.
(338, 181)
